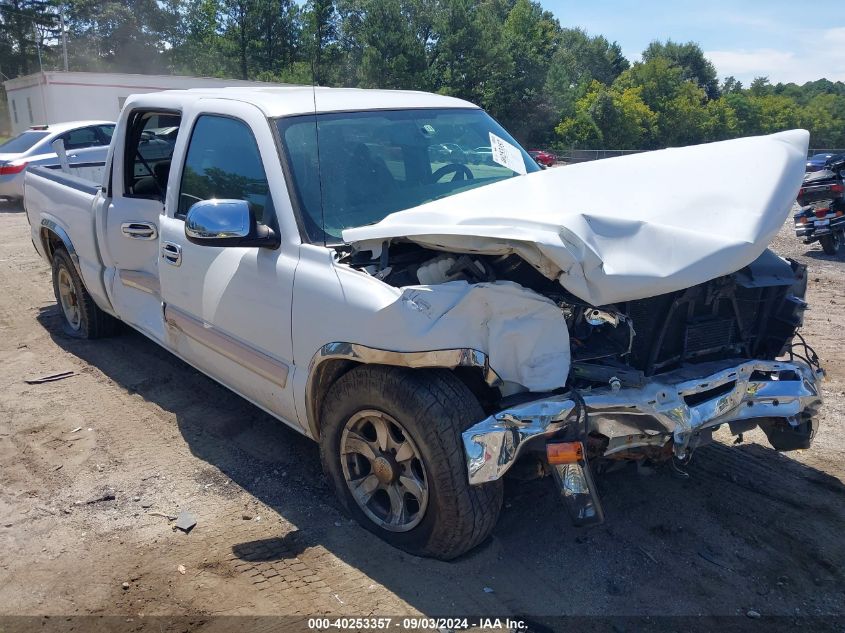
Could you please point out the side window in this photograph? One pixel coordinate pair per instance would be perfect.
(223, 162)
(81, 138)
(150, 139)
(105, 133)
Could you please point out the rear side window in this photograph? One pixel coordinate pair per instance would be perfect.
(22, 142)
(223, 162)
(151, 137)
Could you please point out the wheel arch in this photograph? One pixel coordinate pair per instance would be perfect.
(53, 237)
(333, 360)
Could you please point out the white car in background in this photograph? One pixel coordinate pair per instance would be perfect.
(86, 142)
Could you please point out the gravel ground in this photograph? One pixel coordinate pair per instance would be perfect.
(91, 467)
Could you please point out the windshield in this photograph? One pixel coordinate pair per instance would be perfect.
(372, 164)
(22, 142)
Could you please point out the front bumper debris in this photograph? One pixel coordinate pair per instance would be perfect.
(675, 406)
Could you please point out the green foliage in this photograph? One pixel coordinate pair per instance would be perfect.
(25, 25)
(690, 59)
(547, 84)
(610, 117)
(825, 116)
(393, 54)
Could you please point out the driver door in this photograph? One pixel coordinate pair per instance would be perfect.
(228, 308)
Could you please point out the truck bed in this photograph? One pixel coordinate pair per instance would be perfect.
(63, 203)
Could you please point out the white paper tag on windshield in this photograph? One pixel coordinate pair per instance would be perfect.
(506, 154)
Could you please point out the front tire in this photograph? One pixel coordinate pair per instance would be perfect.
(391, 447)
(830, 243)
(81, 318)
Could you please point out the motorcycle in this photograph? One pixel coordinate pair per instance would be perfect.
(821, 200)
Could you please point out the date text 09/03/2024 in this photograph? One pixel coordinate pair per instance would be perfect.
(414, 624)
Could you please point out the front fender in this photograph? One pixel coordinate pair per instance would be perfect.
(362, 354)
(351, 315)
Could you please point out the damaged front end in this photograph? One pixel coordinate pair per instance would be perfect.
(648, 379)
(697, 359)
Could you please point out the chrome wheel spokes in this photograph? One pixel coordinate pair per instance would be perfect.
(383, 469)
(68, 299)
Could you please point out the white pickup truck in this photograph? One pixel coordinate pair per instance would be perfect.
(436, 322)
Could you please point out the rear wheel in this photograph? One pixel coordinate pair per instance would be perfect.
(81, 318)
(830, 243)
(391, 446)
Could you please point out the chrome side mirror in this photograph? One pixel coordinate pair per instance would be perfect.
(226, 223)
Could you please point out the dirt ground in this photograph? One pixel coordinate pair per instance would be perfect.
(750, 530)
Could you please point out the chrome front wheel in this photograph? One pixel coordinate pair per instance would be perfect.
(383, 469)
(390, 443)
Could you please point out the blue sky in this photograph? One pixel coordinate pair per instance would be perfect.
(786, 41)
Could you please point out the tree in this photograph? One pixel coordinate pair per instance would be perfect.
(824, 116)
(678, 102)
(777, 113)
(119, 35)
(760, 86)
(197, 45)
(530, 35)
(691, 60)
(392, 55)
(578, 60)
(241, 20)
(470, 58)
(747, 111)
(274, 44)
(545, 83)
(25, 25)
(320, 38)
(731, 84)
(721, 121)
(614, 119)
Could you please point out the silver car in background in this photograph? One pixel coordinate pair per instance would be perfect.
(86, 142)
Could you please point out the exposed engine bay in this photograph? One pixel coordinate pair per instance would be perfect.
(753, 313)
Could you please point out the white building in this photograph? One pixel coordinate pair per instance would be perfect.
(56, 97)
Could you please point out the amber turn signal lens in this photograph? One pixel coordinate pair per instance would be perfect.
(564, 452)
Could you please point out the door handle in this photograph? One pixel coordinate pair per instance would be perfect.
(171, 253)
(139, 230)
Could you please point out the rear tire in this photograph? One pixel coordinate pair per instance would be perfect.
(391, 447)
(830, 243)
(81, 318)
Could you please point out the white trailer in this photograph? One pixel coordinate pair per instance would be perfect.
(57, 97)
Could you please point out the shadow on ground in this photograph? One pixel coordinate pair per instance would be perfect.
(816, 252)
(10, 206)
(748, 529)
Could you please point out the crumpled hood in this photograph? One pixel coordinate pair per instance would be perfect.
(622, 228)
